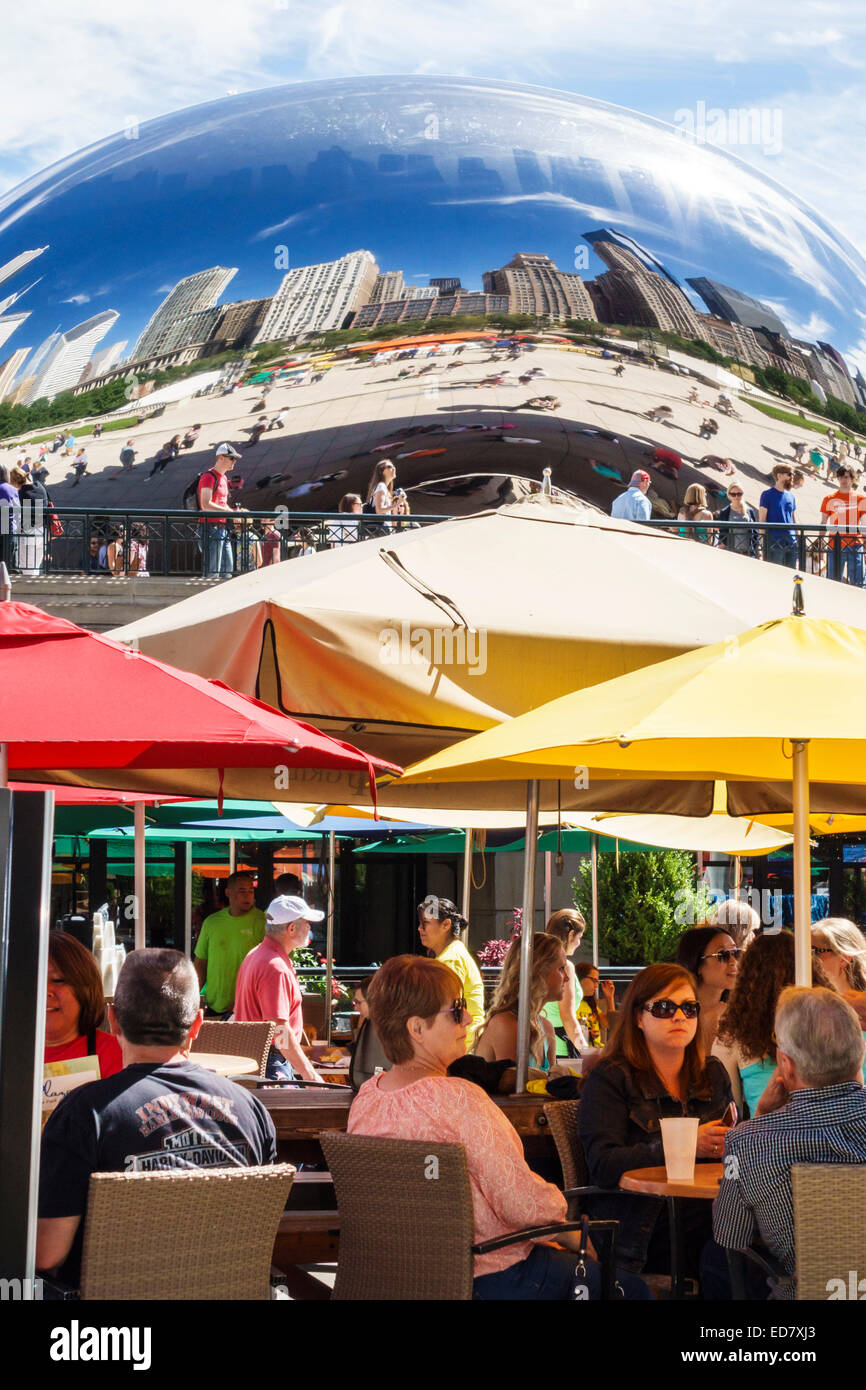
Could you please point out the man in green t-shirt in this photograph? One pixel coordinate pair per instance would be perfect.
(225, 939)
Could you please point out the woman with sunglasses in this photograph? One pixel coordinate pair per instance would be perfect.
(744, 542)
(440, 926)
(840, 946)
(416, 1007)
(652, 1068)
(712, 956)
(746, 1042)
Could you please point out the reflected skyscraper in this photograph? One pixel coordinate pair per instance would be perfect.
(186, 315)
(10, 369)
(9, 324)
(535, 285)
(737, 307)
(18, 263)
(314, 298)
(67, 359)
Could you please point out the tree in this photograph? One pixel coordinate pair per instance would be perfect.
(644, 904)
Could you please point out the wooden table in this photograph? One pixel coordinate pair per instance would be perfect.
(654, 1182)
(225, 1064)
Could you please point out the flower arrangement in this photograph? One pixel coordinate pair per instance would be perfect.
(492, 953)
(316, 984)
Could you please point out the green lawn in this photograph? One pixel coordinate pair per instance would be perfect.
(86, 430)
(791, 419)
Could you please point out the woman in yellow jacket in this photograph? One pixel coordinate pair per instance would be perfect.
(439, 927)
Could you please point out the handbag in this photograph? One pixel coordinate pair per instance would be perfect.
(56, 525)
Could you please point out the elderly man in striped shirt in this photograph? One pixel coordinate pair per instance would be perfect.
(813, 1111)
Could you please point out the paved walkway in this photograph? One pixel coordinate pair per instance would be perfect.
(356, 408)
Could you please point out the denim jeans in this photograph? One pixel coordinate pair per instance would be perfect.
(782, 551)
(217, 554)
(849, 565)
(277, 1068)
(549, 1274)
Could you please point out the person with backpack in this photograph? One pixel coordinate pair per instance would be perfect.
(213, 496)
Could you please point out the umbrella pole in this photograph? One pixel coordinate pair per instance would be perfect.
(140, 881)
(467, 874)
(4, 764)
(548, 858)
(529, 853)
(802, 870)
(593, 854)
(233, 856)
(329, 945)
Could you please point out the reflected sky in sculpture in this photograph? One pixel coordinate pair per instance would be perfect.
(434, 176)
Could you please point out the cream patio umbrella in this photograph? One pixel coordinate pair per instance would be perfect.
(404, 644)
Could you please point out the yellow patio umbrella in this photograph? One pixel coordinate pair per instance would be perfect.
(778, 704)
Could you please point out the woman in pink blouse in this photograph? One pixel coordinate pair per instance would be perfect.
(418, 1010)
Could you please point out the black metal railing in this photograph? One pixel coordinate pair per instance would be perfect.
(812, 549)
(130, 542)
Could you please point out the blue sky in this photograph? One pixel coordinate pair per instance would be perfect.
(73, 74)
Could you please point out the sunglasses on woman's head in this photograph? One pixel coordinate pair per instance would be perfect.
(667, 1008)
(456, 1010)
(732, 953)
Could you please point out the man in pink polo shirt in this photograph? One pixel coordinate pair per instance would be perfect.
(267, 986)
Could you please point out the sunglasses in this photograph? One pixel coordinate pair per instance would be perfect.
(456, 1010)
(823, 951)
(732, 953)
(735, 494)
(668, 1008)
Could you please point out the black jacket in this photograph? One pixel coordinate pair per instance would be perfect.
(618, 1120)
(733, 539)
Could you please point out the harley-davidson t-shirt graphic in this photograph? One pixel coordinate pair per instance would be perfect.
(147, 1118)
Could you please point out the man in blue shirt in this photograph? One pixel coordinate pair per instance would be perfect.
(778, 505)
(633, 504)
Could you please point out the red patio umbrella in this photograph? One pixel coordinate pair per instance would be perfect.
(78, 708)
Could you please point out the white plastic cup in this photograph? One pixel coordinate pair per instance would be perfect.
(680, 1142)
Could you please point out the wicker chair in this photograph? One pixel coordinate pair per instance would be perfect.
(561, 1116)
(829, 1242)
(405, 1237)
(183, 1234)
(237, 1039)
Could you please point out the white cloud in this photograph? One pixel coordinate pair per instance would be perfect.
(100, 67)
(808, 329)
(77, 299)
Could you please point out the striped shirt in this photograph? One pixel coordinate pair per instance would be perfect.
(826, 1125)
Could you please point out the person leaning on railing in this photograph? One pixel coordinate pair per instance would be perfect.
(419, 1012)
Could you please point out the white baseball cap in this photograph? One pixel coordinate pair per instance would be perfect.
(226, 449)
(286, 909)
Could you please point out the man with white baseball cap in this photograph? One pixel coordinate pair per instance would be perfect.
(267, 986)
(213, 496)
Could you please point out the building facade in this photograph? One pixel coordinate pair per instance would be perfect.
(737, 307)
(535, 285)
(315, 298)
(65, 362)
(420, 310)
(388, 285)
(175, 322)
(10, 369)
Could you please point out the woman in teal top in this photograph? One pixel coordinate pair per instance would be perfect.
(568, 926)
(746, 1041)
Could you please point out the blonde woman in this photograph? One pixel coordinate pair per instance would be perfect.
(497, 1040)
(841, 949)
(695, 508)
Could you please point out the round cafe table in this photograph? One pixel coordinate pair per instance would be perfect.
(225, 1064)
(654, 1182)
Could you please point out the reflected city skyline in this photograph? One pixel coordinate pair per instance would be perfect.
(436, 178)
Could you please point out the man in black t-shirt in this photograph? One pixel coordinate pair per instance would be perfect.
(162, 1111)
